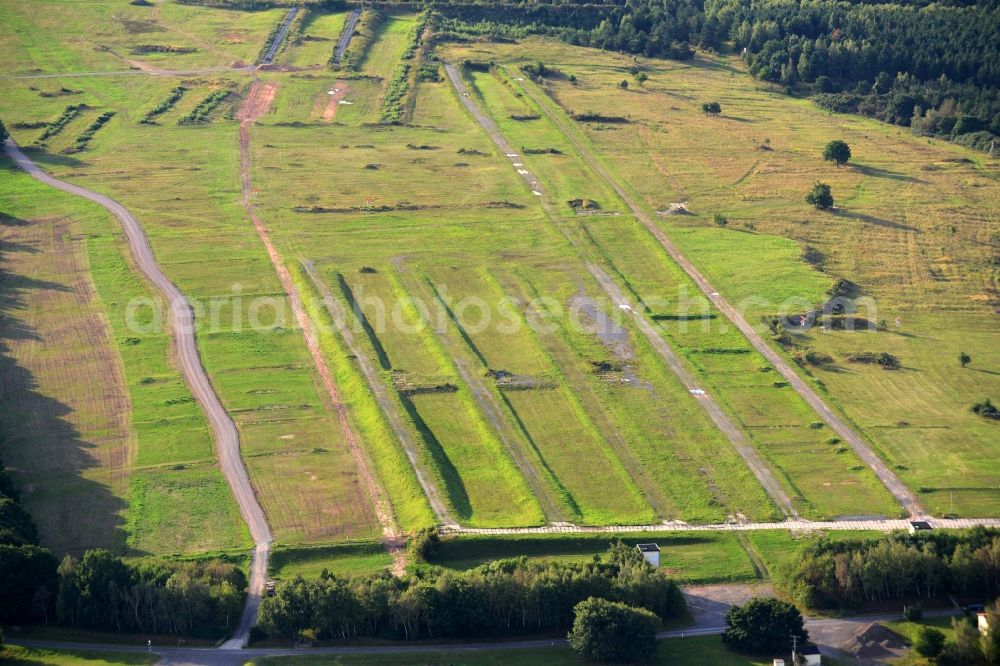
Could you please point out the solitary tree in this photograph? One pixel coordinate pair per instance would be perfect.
(964, 359)
(623, 84)
(641, 78)
(763, 626)
(3, 132)
(608, 631)
(820, 196)
(711, 108)
(837, 151)
(720, 219)
(929, 643)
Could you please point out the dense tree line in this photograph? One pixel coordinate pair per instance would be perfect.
(935, 67)
(506, 597)
(853, 573)
(27, 572)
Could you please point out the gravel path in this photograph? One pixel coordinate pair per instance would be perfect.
(227, 438)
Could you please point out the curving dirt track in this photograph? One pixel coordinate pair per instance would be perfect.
(227, 438)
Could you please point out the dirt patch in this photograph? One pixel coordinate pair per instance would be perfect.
(875, 643)
(334, 96)
(258, 101)
(608, 331)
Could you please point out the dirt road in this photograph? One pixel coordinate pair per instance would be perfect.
(903, 495)
(256, 104)
(227, 439)
(736, 436)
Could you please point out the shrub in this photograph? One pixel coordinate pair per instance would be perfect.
(820, 196)
(837, 151)
(763, 626)
(711, 108)
(913, 612)
(929, 642)
(608, 631)
(986, 408)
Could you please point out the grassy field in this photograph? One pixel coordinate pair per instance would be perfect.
(344, 559)
(257, 360)
(691, 557)
(429, 212)
(15, 654)
(316, 39)
(947, 277)
(103, 436)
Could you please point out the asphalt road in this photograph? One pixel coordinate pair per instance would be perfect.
(227, 438)
(829, 633)
(345, 36)
(903, 495)
(272, 50)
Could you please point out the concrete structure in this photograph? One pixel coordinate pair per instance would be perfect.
(650, 552)
(811, 655)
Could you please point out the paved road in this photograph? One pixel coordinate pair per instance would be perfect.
(903, 495)
(227, 439)
(736, 436)
(345, 36)
(834, 629)
(272, 50)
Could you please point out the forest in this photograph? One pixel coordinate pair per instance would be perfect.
(501, 598)
(932, 67)
(896, 567)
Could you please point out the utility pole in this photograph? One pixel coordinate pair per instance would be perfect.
(795, 650)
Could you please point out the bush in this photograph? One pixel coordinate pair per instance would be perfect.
(608, 631)
(929, 642)
(711, 108)
(837, 151)
(820, 196)
(986, 408)
(764, 626)
(913, 612)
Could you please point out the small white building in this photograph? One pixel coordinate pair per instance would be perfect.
(982, 623)
(650, 552)
(778, 662)
(810, 653)
(919, 526)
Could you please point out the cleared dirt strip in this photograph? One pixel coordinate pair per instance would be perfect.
(903, 495)
(257, 103)
(227, 438)
(382, 397)
(736, 437)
